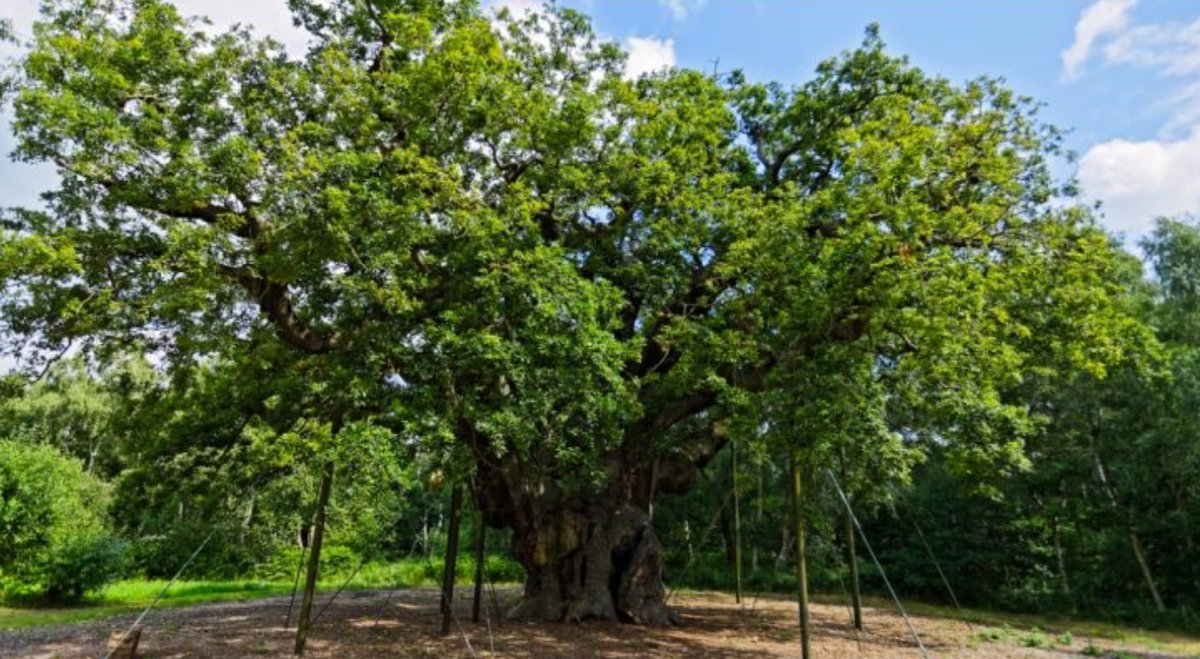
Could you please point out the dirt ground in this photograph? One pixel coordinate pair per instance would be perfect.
(405, 624)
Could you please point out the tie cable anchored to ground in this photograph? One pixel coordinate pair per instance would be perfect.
(882, 573)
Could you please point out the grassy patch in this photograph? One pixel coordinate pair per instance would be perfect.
(1035, 639)
(1059, 630)
(133, 595)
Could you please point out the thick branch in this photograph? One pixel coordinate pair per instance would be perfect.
(274, 301)
(696, 302)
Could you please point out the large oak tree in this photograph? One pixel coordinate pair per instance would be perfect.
(475, 231)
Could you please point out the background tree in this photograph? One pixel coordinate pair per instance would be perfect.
(77, 411)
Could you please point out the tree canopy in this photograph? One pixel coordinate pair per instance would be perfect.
(477, 234)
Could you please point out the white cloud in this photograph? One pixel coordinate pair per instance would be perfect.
(1141, 181)
(681, 9)
(1100, 19)
(647, 55)
(1173, 48)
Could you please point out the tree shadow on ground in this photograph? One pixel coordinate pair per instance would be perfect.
(406, 623)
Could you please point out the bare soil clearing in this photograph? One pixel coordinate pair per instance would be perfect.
(404, 624)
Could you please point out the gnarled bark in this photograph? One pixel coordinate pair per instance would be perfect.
(587, 555)
(588, 552)
(603, 562)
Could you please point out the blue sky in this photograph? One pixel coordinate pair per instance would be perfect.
(1123, 75)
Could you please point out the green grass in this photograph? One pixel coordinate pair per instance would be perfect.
(132, 595)
(1030, 630)
(1035, 639)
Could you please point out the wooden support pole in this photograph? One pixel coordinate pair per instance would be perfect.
(851, 556)
(451, 561)
(801, 567)
(124, 646)
(480, 557)
(737, 525)
(314, 559)
(852, 560)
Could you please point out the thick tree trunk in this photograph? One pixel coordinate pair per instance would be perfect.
(589, 551)
(601, 562)
(587, 555)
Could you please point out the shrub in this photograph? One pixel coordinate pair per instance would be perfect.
(1035, 639)
(53, 537)
(336, 561)
(231, 553)
(85, 565)
(503, 569)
